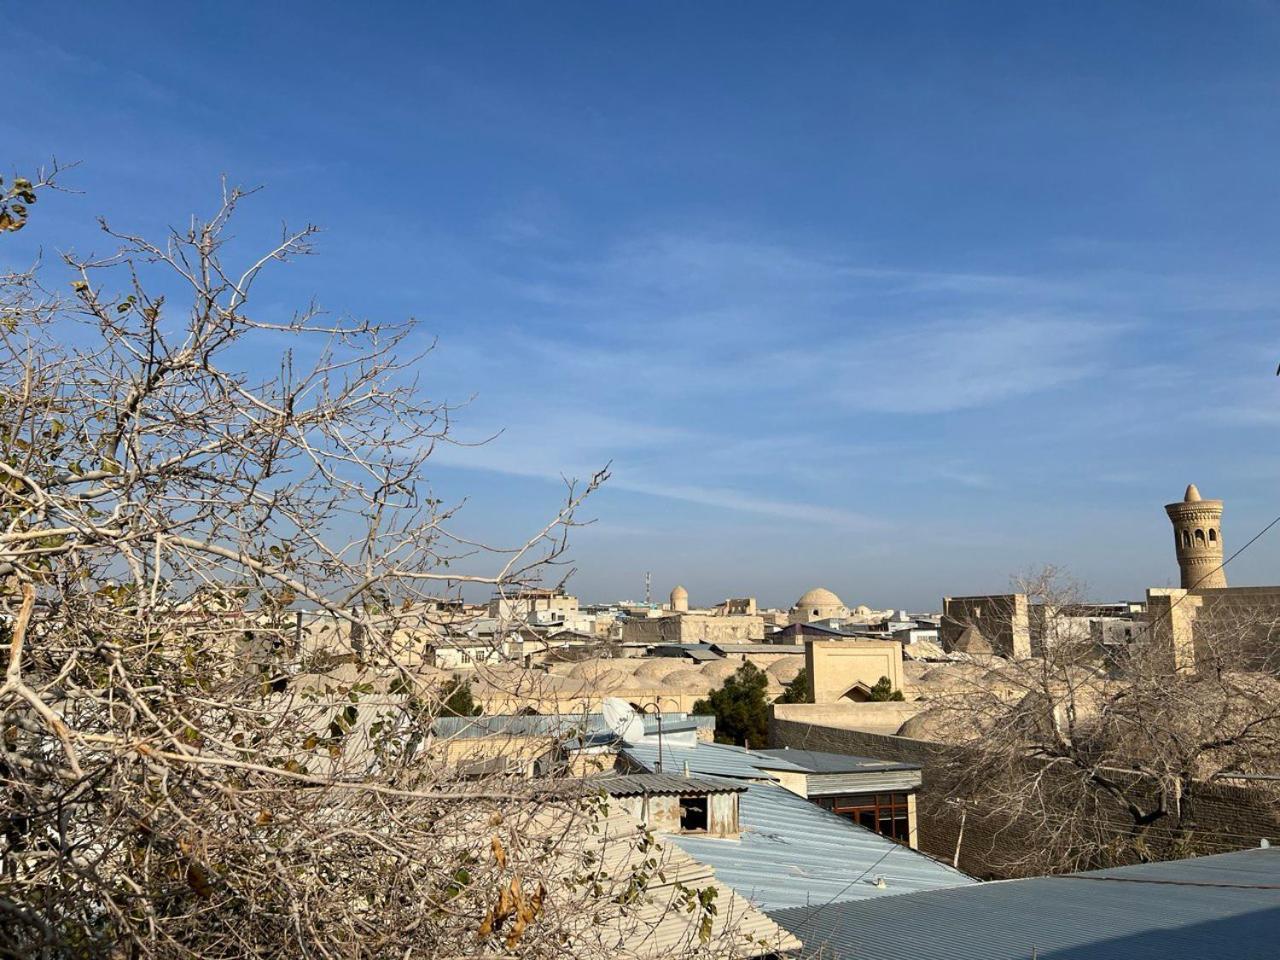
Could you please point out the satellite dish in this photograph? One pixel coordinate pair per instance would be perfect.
(622, 719)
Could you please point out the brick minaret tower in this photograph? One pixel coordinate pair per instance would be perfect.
(1197, 537)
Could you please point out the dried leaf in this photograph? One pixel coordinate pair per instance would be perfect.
(198, 880)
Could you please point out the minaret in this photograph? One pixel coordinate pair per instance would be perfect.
(1197, 537)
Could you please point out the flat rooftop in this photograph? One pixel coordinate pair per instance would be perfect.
(815, 761)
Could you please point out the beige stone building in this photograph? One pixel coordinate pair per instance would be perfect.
(693, 628)
(736, 607)
(848, 669)
(818, 604)
(1206, 619)
(996, 623)
(524, 606)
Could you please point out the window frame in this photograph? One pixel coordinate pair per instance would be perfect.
(695, 803)
(874, 811)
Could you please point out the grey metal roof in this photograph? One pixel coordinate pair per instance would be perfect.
(813, 628)
(704, 656)
(701, 652)
(600, 738)
(1226, 905)
(815, 761)
(553, 725)
(635, 784)
(793, 853)
(715, 759)
(791, 648)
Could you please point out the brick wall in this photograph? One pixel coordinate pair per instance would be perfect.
(1229, 817)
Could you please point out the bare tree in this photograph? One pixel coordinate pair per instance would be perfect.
(186, 768)
(1090, 754)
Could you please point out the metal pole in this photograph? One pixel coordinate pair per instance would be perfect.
(659, 735)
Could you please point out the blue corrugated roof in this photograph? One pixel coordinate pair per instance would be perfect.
(637, 784)
(1226, 905)
(716, 759)
(793, 853)
(604, 738)
(815, 761)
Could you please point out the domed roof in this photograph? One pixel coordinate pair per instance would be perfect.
(819, 597)
(679, 592)
(1192, 495)
(785, 669)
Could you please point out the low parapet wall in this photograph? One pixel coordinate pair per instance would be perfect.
(884, 718)
(1230, 816)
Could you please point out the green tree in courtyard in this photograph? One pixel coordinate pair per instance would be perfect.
(740, 709)
(456, 700)
(883, 690)
(797, 690)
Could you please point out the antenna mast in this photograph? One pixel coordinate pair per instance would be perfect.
(648, 589)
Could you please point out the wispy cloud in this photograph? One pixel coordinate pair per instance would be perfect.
(507, 455)
(772, 381)
(962, 364)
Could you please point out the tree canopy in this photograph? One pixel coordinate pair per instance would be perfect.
(219, 565)
(797, 690)
(740, 708)
(456, 700)
(883, 691)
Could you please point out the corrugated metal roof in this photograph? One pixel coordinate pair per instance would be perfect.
(607, 738)
(635, 784)
(680, 648)
(791, 648)
(864, 781)
(701, 652)
(716, 759)
(1226, 905)
(793, 853)
(552, 725)
(815, 761)
(656, 921)
(703, 656)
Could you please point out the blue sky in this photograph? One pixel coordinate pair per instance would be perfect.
(900, 299)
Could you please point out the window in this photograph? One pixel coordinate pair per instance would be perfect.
(1213, 535)
(1200, 538)
(885, 813)
(1186, 538)
(693, 814)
